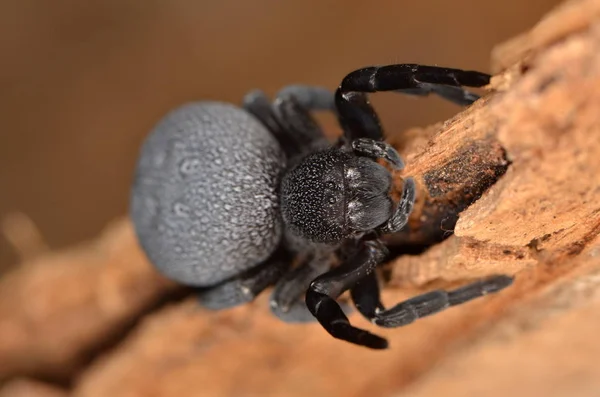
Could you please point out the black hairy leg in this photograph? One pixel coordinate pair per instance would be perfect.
(358, 118)
(286, 300)
(377, 149)
(288, 116)
(325, 289)
(457, 95)
(246, 286)
(403, 209)
(310, 97)
(365, 296)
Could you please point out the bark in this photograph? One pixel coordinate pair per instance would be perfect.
(30, 388)
(57, 310)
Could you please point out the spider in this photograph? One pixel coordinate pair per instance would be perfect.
(226, 199)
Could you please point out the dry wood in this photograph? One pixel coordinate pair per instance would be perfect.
(58, 309)
(21, 387)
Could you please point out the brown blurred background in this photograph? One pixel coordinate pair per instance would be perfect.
(81, 82)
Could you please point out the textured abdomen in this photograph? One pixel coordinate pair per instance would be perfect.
(204, 201)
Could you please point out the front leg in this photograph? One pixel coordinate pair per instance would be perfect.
(367, 300)
(374, 149)
(356, 115)
(325, 289)
(403, 210)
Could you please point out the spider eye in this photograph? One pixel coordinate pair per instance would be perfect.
(332, 200)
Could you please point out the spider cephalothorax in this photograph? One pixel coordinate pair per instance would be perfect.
(224, 198)
(333, 195)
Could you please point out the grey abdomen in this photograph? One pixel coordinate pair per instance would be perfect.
(204, 203)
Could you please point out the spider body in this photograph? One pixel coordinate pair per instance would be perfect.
(333, 194)
(225, 198)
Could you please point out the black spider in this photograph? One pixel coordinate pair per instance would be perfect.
(226, 199)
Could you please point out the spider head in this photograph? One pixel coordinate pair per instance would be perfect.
(332, 195)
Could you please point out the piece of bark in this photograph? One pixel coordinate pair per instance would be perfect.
(547, 347)
(567, 19)
(183, 350)
(547, 202)
(22, 387)
(455, 168)
(540, 221)
(24, 236)
(58, 308)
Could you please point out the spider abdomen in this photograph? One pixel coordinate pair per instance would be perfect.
(204, 201)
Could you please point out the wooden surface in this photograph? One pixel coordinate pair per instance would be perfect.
(56, 310)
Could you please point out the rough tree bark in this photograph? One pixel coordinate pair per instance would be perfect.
(539, 218)
(58, 309)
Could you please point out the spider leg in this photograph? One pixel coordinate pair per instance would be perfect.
(258, 104)
(357, 117)
(325, 289)
(310, 97)
(288, 119)
(366, 296)
(378, 150)
(245, 287)
(404, 208)
(301, 129)
(457, 95)
(286, 300)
